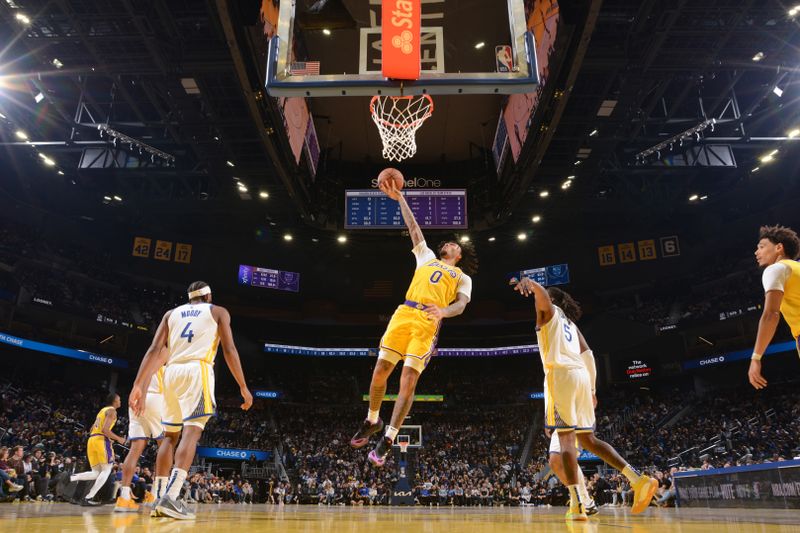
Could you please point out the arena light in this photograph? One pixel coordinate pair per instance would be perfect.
(570, 177)
(704, 197)
(536, 219)
(756, 169)
(263, 194)
(464, 238)
(21, 135)
(60, 172)
(693, 198)
(594, 133)
(38, 97)
(777, 91)
(288, 237)
(768, 157)
(479, 45)
(794, 11)
(107, 198)
(341, 239)
(242, 188)
(49, 162)
(758, 57)
(326, 31)
(117, 137)
(566, 185)
(492, 239)
(576, 163)
(57, 63)
(667, 144)
(521, 237)
(793, 133)
(230, 163)
(544, 194)
(22, 18)
(117, 198)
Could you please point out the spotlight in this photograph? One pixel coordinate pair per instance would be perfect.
(521, 237)
(758, 57)
(570, 177)
(57, 63)
(242, 188)
(117, 198)
(21, 135)
(60, 172)
(756, 169)
(263, 194)
(341, 239)
(492, 239)
(594, 133)
(794, 133)
(777, 91)
(768, 157)
(326, 31)
(107, 198)
(693, 197)
(536, 219)
(39, 97)
(287, 237)
(464, 238)
(49, 162)
(22, 18)
(566, 185)
(544, 194)
(479, 45)
(230, 163)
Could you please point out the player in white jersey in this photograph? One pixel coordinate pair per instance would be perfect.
(191, 333)
(569, 402)
(142, 428)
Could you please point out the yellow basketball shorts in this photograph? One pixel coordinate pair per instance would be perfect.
(411, 337)
(99, 451)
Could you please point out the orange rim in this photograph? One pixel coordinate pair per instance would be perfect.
(420, 120)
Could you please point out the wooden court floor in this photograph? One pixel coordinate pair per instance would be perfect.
(62, 517)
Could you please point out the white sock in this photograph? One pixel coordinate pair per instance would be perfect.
(99, 482)
(391, 432)
(584, 494)
(632, 474)
(160, 485)
(372, 416)
(176, 479)
(125, 493)
(85, 476)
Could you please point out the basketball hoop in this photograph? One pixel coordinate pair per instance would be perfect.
(403, 446)
(398, 118)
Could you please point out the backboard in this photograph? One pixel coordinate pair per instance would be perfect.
(414, 434)
(334, 48)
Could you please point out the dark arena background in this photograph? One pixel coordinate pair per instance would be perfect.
(627, 152)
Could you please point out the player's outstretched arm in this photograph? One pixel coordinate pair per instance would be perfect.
(454, 309)
(767, 325)
(414, 230)
(544, 305)
(223, 318)
(154, 359)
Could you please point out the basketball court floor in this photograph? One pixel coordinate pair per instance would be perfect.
(62, 517)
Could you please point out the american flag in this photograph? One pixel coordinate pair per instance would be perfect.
(305, 68)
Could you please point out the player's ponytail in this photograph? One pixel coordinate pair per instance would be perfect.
(567, 304)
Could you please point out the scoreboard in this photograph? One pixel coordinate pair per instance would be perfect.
(269, 278)
(434, 209)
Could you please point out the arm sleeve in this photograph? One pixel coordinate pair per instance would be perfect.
(775, 276)
(588, 360)
(423, 253)
(465, 286)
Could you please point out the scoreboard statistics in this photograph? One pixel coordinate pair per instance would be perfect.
(434, 209)
(268, 278)
(545, 276)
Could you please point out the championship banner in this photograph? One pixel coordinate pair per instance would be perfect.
(61, 351)
(232, 453)
(769, 485)
(400, 34)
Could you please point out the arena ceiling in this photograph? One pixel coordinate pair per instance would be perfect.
(185, 78)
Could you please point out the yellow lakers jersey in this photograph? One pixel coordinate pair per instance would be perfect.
(790, 305)
(435, 282)
(100, 421)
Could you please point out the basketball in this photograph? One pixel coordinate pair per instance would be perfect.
(391, 174)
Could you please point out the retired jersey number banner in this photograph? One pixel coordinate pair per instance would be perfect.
(400, 46)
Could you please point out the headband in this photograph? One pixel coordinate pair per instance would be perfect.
(200, 292)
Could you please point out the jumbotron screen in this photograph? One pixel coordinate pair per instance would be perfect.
(434, 209)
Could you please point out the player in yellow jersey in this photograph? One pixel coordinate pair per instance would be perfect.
(440, 288)
(778, 249)
(98, 448)
(569, 398)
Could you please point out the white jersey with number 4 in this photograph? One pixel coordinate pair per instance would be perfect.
(193, 334)
(559, 345)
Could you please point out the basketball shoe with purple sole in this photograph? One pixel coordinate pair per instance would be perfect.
(378, 456)
(361, 438)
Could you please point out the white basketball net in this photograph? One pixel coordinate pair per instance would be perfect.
(398, 118)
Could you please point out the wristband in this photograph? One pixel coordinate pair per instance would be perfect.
(756, 356)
